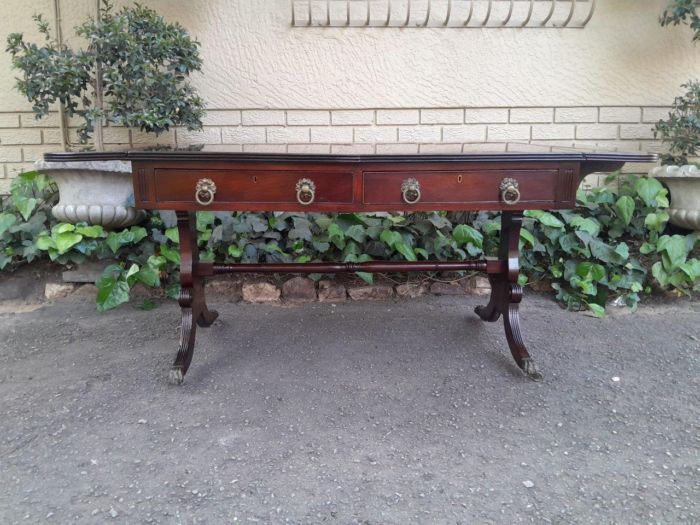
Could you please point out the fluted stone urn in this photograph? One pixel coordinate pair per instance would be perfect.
(99, 193)
(683, 183)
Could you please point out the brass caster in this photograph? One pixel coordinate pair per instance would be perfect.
(528, 366)
(176, 377)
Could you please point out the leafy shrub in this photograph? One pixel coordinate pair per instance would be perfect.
(142, 61)
(683, 12)
(612, 247)
(681, 131)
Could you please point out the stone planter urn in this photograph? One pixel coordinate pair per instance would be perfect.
(683, 183)
(99, 193)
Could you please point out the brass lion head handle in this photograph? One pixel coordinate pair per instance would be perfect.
(204, 192)
(410, 190)
(510, 192)
(306, 191)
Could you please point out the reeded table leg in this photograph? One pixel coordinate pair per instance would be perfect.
(192, 300)
(506, 294)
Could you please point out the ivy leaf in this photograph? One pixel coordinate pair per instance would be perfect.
(647, 248)
(93, 232)
(675, 249)
(6, 220)
(586, 224)
(691, 269)
(173, 234)
(113, 241)
(356, 232)
(648, 188)
(336, 236)
(63, 228)
(526, 237)
(111, 292)
(606, 253)
(204, 219)
(44, 242)
(405, 250)
(170, 254)
(390, 238)
(623, 250)
(598, 311)
(65, 241)
(545, 218)
(464, 234)
(592, 271)
(656, 221)
(657, 270)
(321, 246)
(624, 208)
(256, 223)
(235, 251)
(149, 275)
(138, 234)
(366, 277)
(131, 274)
(25, 206)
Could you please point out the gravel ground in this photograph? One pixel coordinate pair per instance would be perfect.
(373, 413)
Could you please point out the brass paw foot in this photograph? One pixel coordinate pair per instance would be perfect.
(528, 366)
(176, 377)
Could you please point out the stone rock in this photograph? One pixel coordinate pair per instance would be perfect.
(411, 290)
(261, 292)
(480, 285)
(331, 292)
(228, 289)
(376, 292)
(54, 291)
(86, 291)
(86, 272)
(439, 288)
(299, 290)
(15, 287)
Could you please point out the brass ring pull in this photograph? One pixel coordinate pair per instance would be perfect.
(306, 191)
(410, 190)
(205, 191)
(510, 192)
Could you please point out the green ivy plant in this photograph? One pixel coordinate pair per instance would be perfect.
(24, 216)
(613, 247)
(138, 60)
(605, 249)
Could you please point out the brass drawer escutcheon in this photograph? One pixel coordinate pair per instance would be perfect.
(306, 191)
(410, 190)
(510, 192)
(204, 192)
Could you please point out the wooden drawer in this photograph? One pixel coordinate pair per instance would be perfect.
(463, 186)
(251, 186)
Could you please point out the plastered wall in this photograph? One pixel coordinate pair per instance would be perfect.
(271, 87)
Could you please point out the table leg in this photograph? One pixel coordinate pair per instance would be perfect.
(192, 300)
(506, 294)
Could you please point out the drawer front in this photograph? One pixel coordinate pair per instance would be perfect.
(453, 187)
(252, 186)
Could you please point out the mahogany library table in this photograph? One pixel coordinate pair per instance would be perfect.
(188, 181)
